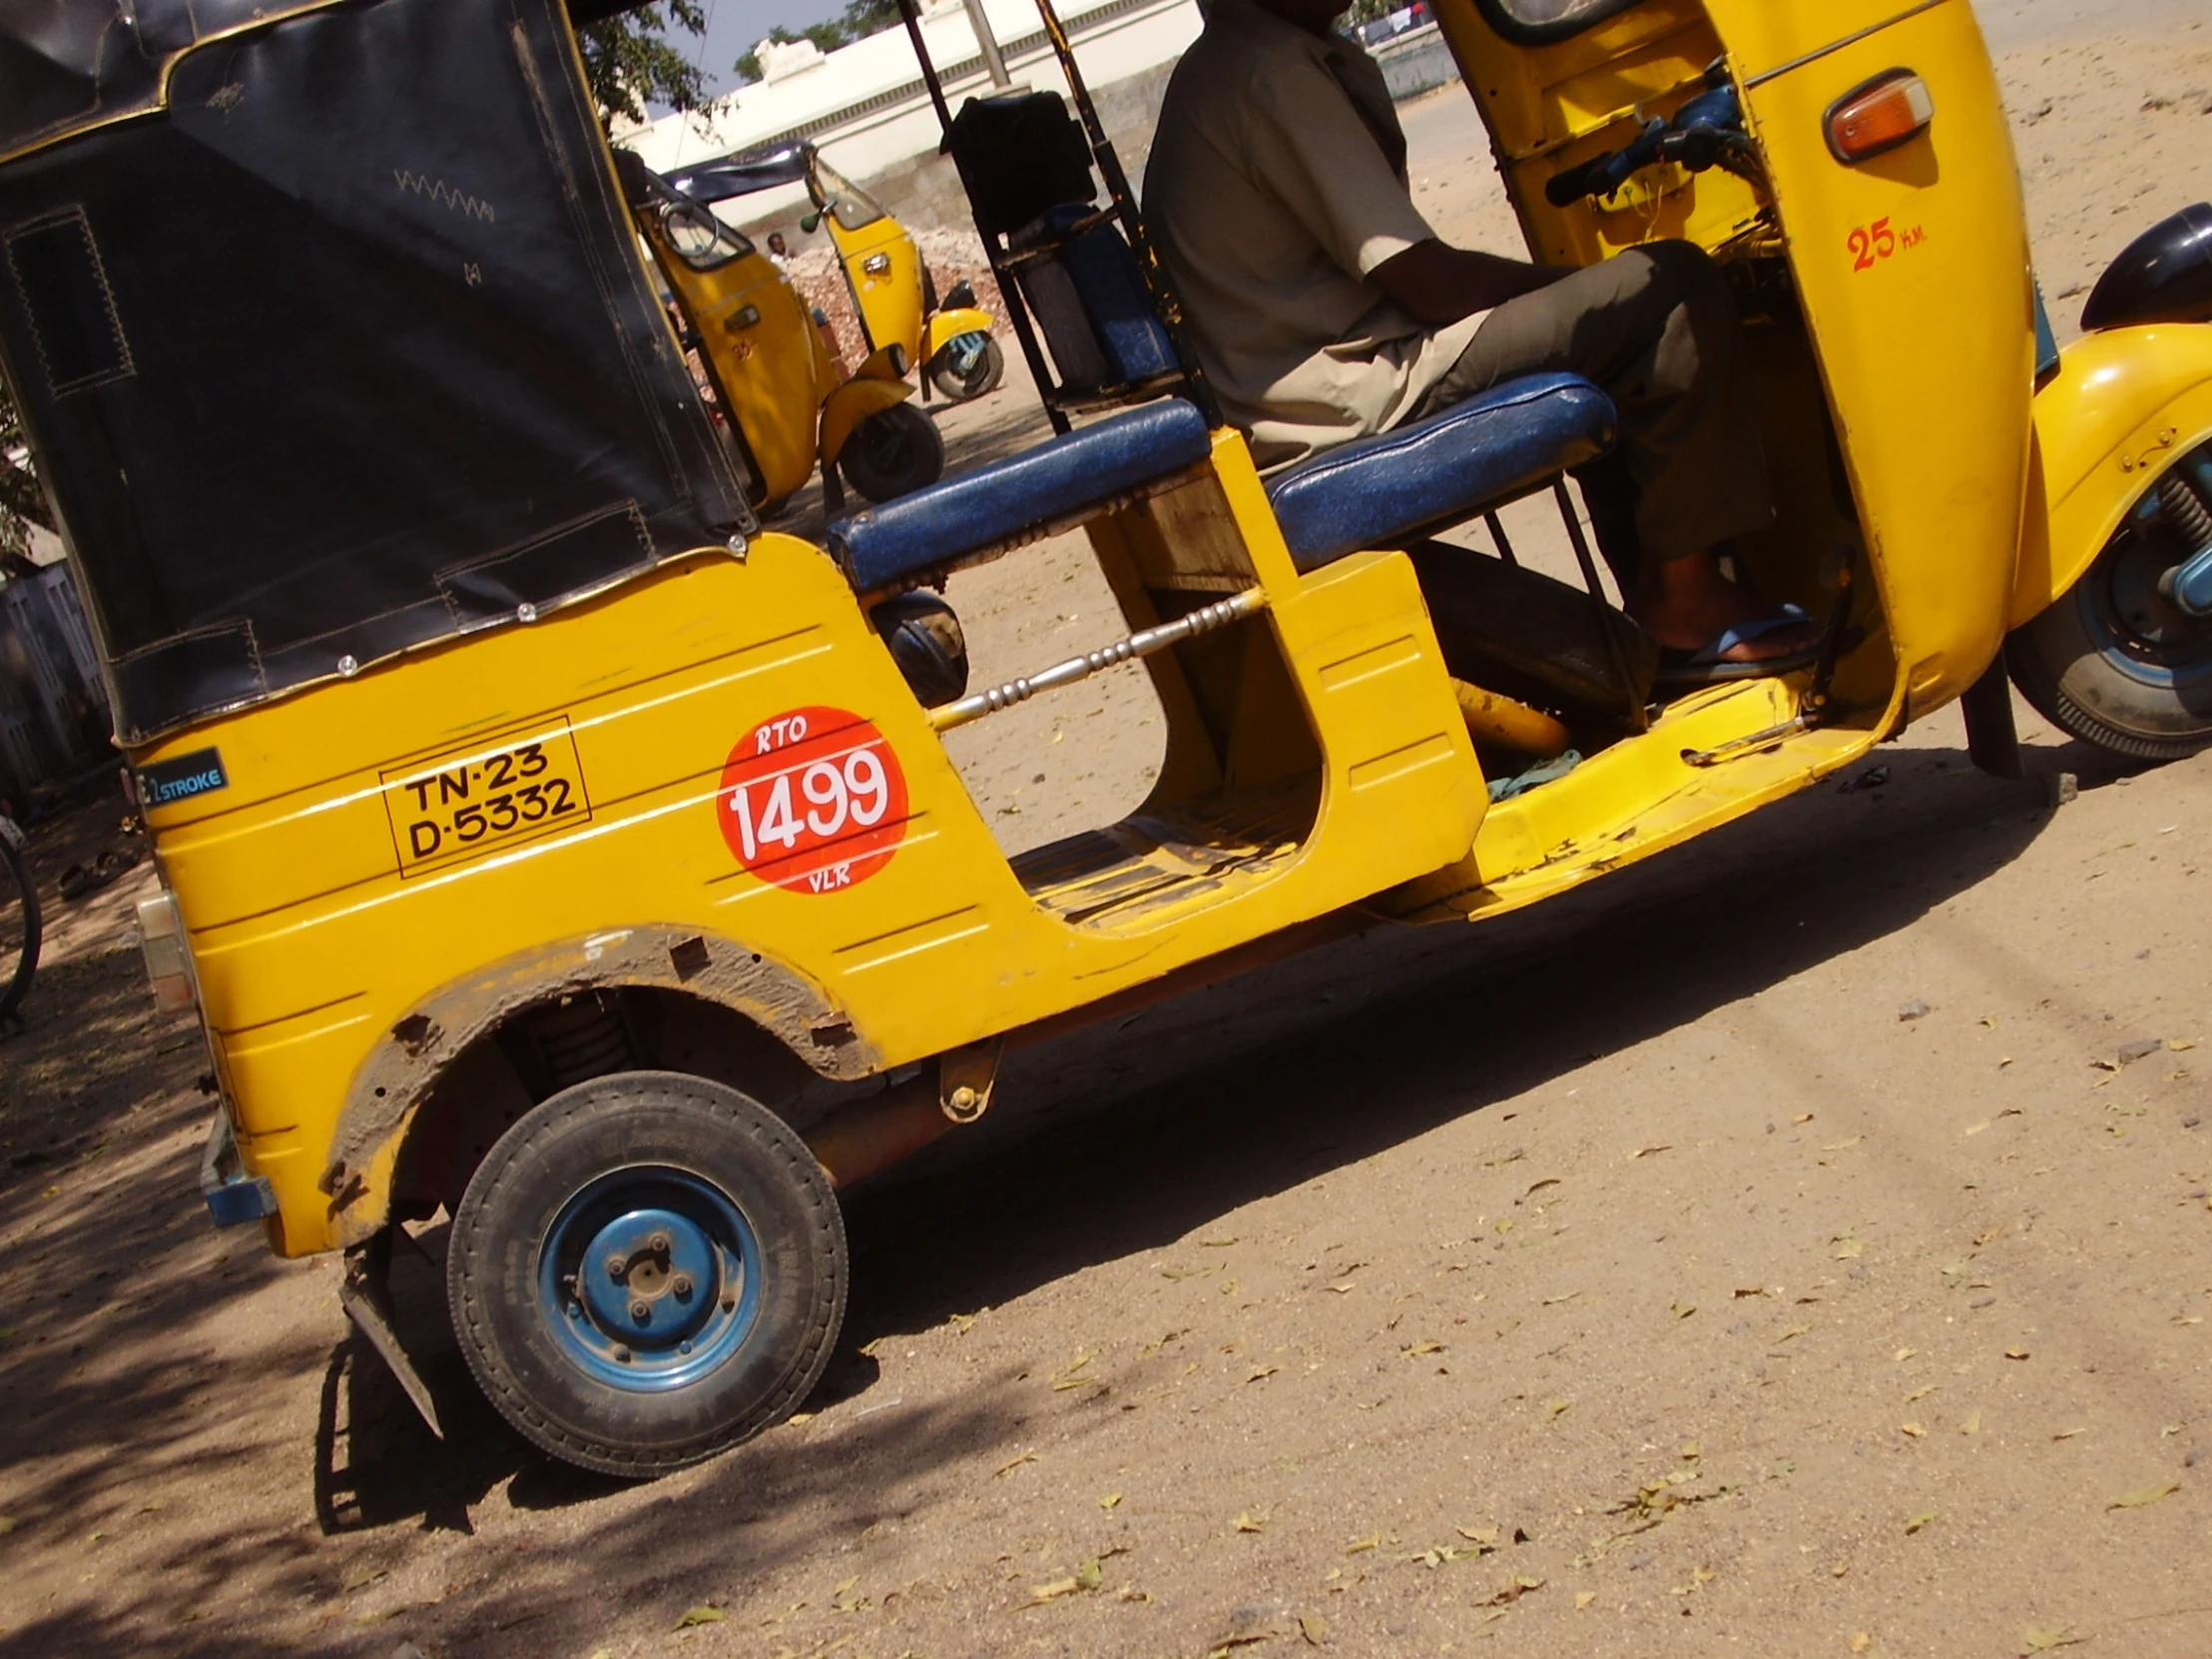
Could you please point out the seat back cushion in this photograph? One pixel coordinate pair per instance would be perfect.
(905, 540)
(1374, 492)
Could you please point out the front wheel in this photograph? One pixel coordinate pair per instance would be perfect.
(894, 452)
(2115, 661)
(967, 366)
(647, 1269)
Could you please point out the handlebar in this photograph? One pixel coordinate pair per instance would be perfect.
(1706, 132)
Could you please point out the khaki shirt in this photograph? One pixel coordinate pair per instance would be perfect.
(1271, 199)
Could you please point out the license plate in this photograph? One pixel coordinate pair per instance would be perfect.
(494, 793)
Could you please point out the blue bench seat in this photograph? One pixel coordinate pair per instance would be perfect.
(979, 512)
(1377, 491)
(1370, 493)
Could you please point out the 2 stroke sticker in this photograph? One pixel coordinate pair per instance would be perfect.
(812, 800)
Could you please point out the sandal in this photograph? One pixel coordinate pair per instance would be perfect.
(1709, 664)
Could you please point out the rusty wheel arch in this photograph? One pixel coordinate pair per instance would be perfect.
(402, 1071)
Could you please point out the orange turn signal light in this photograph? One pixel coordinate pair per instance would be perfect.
(1893, 107)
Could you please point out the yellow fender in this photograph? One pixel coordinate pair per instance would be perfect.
(863, 395)
(2122, 406)
(946, 326)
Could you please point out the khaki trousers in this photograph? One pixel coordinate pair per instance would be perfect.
(1657, 329)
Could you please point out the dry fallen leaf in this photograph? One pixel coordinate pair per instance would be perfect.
(702, 1614)
(1014, 1463)
(2016, 1354)
(1486, 1536)
(1843, 1145)
(1904, 1353)
(1344, 1289)
(2049, 1637)
(1217, 1244)
(1793, 1331)
(1861, 1641)
(2143, 1496)
(1372, 1541)
(1247, 1521)
(1913, 1523)
(1911, 1429)
(1583, 1599)
(1647, 1151)
(1972, 1423)
(1557, 1409)
(1922, 1393)
(1417, 1349)
(1803, 1117)
(1112, 1500)
(2068, 1433)
(1846, 1249)
(1512, 1592)
(1683, 1310)
(1314, 1628)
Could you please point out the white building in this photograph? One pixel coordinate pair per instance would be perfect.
(866, 106)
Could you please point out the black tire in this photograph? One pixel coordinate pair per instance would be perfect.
(19, 925)
(547, 1216)
(984, 373)
(2114, 662)
(894, 452)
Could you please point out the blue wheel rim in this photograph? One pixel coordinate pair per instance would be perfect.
(649, 1279)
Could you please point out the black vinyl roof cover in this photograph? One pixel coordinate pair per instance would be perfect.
(728, 177)
(342, 347)
(1544, 22)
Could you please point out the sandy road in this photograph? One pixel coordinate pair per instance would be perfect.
(1627, 1275)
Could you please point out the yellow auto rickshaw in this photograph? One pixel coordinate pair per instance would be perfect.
(947, 340)
(573, 875)
(772, 369)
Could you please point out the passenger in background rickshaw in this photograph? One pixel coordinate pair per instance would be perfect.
(1324, 309)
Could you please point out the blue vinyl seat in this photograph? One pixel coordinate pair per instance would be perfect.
(1377, 491)
(1011, 501)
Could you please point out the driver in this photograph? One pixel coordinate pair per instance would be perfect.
(1324, 308)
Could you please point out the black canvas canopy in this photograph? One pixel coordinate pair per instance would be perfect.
(330, 333)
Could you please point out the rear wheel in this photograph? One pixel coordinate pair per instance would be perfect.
(645, 1270)
(19, 921)
(894, 452)
(967, 366)
(2115, 662)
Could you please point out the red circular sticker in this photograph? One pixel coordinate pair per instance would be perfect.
(813, 800)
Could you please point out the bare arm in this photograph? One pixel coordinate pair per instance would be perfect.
(1437, 284)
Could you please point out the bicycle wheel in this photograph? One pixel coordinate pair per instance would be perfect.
(19, 921)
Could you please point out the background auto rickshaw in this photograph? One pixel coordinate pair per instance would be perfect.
(947, 340)
(574, 877)
(770, 367)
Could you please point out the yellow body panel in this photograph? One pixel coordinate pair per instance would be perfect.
(318, 932)
(888, 299)
(853, 402)
(1913, 271)
(949, 325)
(2121, 406)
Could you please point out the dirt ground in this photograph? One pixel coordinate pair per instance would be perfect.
(1797, 1244)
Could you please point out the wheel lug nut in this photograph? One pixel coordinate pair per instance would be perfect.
(622, 1355)
(728, 1303)
(616, 1268)
(658, 1244)
(681, 1285)
(640, 1311)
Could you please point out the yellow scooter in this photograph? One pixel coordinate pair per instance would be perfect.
(769, 367)
(947, 338)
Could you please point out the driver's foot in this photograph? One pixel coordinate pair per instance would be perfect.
(1687, 605)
